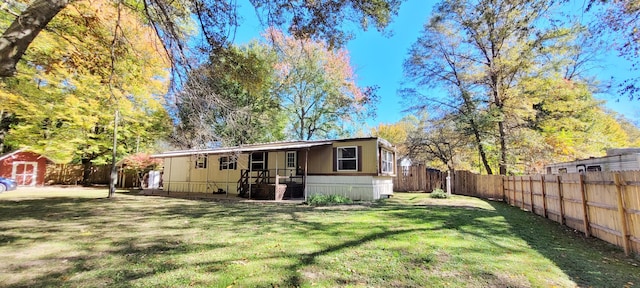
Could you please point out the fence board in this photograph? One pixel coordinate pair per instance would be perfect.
(590, 203)
(631, 195)
(571, 200)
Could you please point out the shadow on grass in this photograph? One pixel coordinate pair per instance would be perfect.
(122, 232)
(589, 262)
(106, 228)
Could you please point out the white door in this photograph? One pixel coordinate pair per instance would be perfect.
(25, 173)
(292, 163)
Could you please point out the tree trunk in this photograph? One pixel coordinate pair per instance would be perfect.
(469, 109)
(17, 38)
(86, 172)
(503, 149)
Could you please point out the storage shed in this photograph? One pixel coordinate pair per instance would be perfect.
(26, 167)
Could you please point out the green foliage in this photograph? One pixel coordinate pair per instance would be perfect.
(66, 94)
(228, 100)
(438, 194)
(513, 109)
(317, 87)
(327, 200)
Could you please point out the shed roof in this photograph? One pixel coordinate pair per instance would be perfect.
(7, 155)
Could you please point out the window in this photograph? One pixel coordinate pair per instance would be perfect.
(347, 158)
(258, 161)
(292, 162)
(201, 162)
(227, 163)
(562, 170)
(594, 168)
(387, 161)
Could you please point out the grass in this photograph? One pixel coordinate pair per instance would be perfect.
(72, 238)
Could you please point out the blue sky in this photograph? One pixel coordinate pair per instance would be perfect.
(377, 59)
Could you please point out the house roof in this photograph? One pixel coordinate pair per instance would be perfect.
(245, 148)
(273, 146)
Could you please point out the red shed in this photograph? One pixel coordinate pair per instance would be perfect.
(26, 167)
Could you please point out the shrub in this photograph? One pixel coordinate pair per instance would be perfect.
(325, 200)
(438, 194)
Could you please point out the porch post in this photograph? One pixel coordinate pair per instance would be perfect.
(306, 166)
(226, 194)
(206, 187)
(249, 175)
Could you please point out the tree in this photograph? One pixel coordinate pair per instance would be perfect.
(215, 18)
(59, 98)
(228, 101)
(141, 163)
(316, 86)
(24, 29)
(622, 19)
(479, 51)
(398, 133)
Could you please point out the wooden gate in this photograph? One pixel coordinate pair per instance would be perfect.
(418, 178)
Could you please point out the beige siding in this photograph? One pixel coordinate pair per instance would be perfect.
(177, 169)
(321, 158)
(180, 175)
(277, 160)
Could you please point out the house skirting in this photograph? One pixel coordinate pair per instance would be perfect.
(359, 188)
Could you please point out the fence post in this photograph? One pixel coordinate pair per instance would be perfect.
(621, 212)
(522, 191)
(504, 193)
(585, 215)
(533, 207)
(513, 178)
(561, 199)
(544, 196)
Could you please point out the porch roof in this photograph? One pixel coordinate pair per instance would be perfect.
(275, 146)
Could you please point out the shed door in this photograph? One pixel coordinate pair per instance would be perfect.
(25, 173)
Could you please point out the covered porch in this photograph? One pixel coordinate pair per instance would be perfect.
(272, 184)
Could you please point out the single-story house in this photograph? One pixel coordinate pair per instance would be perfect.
(26, 167)
(358, 168)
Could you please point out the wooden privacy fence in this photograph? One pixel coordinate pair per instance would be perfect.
(605, 205)
(487, 186)
(418, 178)
(71, 174)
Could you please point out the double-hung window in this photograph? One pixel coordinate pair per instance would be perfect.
(387, 161)
(227, 163)
(347, 158)
(258, 161)
(201, 162)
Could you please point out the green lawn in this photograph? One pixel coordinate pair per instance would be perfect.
(57, 238)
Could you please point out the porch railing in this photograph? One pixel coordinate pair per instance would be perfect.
(268, 176)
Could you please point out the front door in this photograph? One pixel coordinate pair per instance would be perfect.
(25, 173)
(292, 163)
